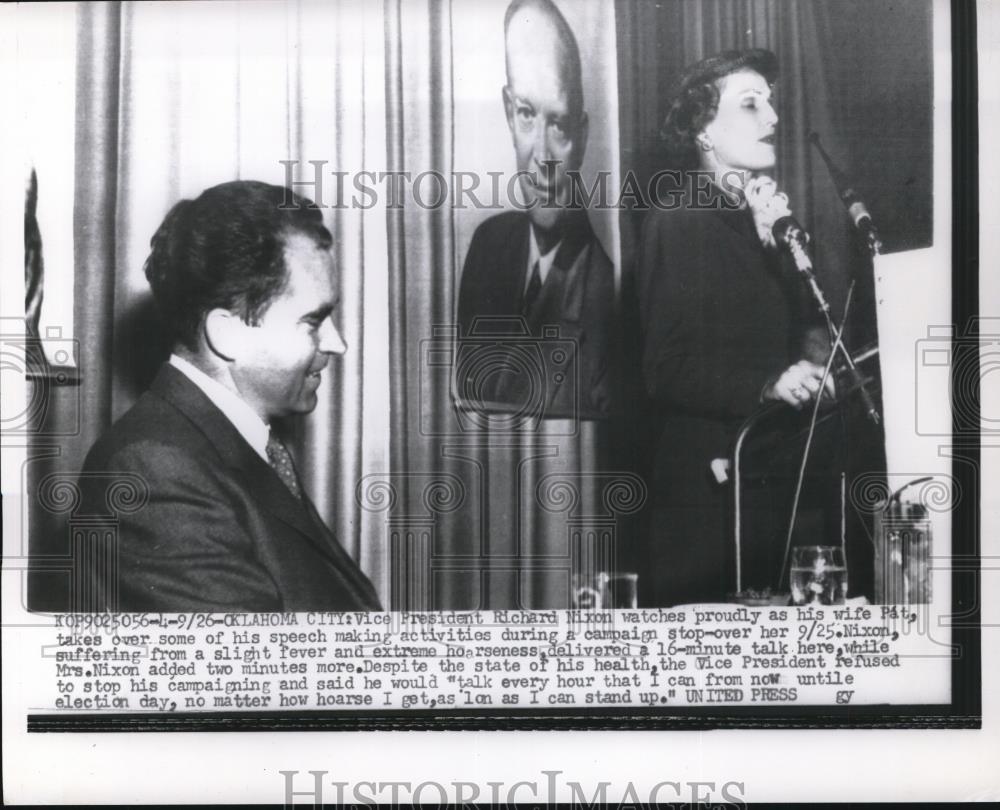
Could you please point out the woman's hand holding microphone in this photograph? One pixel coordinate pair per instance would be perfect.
(798, 384)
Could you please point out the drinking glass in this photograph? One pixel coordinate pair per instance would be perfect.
(818, 575)
(605, 591)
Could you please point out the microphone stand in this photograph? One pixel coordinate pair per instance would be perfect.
(870, 410)
(856, 208)
(788, 233)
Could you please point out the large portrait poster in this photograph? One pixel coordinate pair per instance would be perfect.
(618, 369)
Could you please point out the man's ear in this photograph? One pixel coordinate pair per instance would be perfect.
(224, 333)
(508, 106)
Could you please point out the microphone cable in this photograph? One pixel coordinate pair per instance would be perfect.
(809, 436)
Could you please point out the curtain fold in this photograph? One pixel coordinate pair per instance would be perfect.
(94, 204)
(435, 490)
(338, 116)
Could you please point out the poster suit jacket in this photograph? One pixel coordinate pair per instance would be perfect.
(569, 331)
(220, 531)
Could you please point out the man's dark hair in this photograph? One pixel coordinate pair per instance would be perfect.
(696, 99)
(226, 249)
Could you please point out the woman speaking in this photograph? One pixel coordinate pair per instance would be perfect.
(723, 320)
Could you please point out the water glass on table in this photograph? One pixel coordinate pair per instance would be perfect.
(605, 590)
(818, 575)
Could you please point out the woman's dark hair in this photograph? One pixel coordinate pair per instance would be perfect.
(226, 249)
(696, 99)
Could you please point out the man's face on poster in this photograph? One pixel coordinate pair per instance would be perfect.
(543, 102)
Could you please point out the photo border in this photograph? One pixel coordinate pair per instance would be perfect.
(965, 709)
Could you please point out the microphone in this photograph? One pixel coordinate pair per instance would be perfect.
(793, 237)
(856, 208)
(789, 234)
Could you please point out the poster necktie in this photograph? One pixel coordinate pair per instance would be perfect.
(534, 287)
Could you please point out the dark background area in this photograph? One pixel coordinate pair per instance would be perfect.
(882, 99)
(859, 72)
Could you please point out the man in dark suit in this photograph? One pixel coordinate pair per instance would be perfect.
(537, 281)
(245, 281)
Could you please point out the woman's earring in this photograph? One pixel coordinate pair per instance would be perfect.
(704, 144)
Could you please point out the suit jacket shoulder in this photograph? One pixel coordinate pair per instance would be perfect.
(214, 528)
(493, 270)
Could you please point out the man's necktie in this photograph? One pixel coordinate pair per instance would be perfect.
(350, 575)
(534, 287)
(281, 462)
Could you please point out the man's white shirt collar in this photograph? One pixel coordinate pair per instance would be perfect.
(544, 262)
(244, 418)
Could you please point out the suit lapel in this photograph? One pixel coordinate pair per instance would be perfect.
(571, 263)
(276, 498)
(572, 330)
(562, 295)
(513, 268)
(353, 576)
(560, 304)
(271, 493)
(738, 219)
(741, 223)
